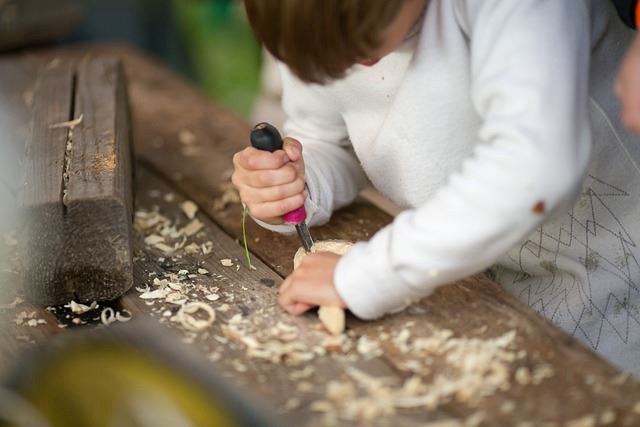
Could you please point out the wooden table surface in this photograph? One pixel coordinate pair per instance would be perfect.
(470, 354)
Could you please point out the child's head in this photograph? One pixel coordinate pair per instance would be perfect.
(321, 39)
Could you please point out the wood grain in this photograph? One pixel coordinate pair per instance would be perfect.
(78, 185)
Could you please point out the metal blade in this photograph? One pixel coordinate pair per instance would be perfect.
(305, 236)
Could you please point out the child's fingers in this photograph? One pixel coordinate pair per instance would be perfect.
(253, 159)
(289, 300)
(271, 194)
(293, 148)
(277, 208)
(265, 178)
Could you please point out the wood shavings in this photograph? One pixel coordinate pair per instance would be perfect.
(185, 317)
(192, 228)
(226, 262)
(124, 315)
(156, 294)
(35, 322)
(306, 372)
(28, 319)
(77, 308)
(68, 124)
(620, 378)
(333, 343)
(175, 298)
(153, 239)
(277, 344)
(475, 368)
(168, 250)
(607, 417)
(189, 209)
(585, 421)
(368, 347)
(523, 376)
(186, 137)
(107, 316)
(636, 408)
(292, 404)
(203, 271)
(239, 366)
(212, 297)
(192, 248)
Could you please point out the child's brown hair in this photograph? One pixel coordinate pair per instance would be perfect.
(320, 39)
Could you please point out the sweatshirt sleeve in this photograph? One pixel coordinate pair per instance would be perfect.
(529, 68)
(627, 11)
(333, 174)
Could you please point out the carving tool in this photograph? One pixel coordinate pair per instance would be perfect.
(265, 136)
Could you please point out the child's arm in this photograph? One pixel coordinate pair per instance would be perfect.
(530, 73)
(333, 174)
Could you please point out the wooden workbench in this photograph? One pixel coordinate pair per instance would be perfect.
(537, 374)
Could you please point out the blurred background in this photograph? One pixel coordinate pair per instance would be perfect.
(207, 41)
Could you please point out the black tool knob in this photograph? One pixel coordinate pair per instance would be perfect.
(265, 136)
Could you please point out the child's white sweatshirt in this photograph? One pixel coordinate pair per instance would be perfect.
(487, 127)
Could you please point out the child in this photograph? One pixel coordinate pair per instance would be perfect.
(493, 122)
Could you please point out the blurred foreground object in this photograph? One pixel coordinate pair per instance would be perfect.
(28, 22)
(76, 240)
(135, 374)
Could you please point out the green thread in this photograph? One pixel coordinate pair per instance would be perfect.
(244, 238)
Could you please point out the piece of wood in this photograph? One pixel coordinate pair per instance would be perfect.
(29, 22)
(77, 195)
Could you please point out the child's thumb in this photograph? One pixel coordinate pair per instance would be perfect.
(293, 148)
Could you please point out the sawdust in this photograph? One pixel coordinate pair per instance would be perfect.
(106, 162)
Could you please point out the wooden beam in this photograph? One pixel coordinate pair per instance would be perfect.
(78, 195)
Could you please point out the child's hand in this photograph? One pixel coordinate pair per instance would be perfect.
(311, 284)
(270, 184)
(628, 87)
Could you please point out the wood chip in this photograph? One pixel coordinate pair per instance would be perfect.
(153, 239)
(189, 208)
(68, 124)
(332, 318)
(164, 248)
(185, 317)
(107, 316)
(607, 417)
(186, 137)
(203, 271)
(585, 421)
(156, 294)
(212, 297)
(192, 228)
(226, 262)
(81, 308)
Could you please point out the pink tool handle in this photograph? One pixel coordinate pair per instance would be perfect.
(296, 216)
